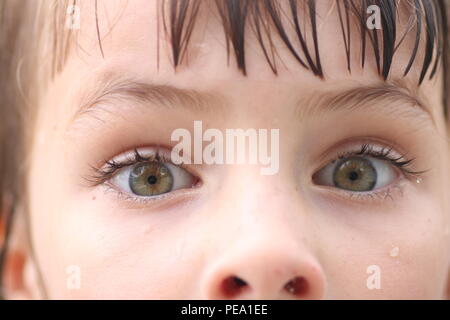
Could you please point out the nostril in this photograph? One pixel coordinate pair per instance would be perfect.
(233, 286)
(297, 286)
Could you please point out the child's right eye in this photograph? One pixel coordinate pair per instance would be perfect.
(147, 173)
(150, 179)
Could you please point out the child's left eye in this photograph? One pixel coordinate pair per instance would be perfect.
(357, 174)
(152, 178)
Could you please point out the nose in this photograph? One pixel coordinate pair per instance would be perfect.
(266, 274)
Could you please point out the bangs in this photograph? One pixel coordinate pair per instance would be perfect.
(296, 24)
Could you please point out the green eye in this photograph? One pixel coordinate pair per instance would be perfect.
(355, 174)
(150, 179)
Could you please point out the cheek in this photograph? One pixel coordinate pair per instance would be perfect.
(407, 250)
(116, 254)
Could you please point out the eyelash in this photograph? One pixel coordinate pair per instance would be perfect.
(385, 154)
(105, 173)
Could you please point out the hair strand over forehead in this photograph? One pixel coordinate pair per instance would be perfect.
(427, 21)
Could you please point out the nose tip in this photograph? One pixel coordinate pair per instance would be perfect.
(261, 278)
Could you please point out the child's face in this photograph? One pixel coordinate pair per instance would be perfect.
(338, 226)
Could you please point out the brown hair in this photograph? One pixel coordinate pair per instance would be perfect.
(22, 50)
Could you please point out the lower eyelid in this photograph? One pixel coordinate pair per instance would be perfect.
(391, 192)
(166, 200)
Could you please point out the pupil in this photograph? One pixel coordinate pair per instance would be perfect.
(152, 179)
(353, 176)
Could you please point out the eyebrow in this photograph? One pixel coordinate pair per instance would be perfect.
(397, 98)
(387, 97)
(110, 89)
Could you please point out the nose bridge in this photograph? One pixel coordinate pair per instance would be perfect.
(261, 207)
(246, 194)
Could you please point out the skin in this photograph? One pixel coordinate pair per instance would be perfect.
(266, 230)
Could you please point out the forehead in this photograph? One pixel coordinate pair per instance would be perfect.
(147, 38)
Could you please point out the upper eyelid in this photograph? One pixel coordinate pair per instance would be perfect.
(372, 149)
(108, 168)
(369, 149)
(138, 155)
(112, 166)
(355, 143)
